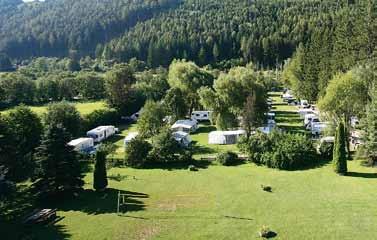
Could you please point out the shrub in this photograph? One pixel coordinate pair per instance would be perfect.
(326, 150)
(280, 150)
(136, 152)
(227, 158)
(101, 117)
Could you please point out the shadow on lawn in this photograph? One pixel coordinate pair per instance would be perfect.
(203, 164)
(92, 202)
(361, 175)
(13, 212)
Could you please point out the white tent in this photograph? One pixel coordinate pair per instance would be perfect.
(182, 138)
(82, 144)
(185, 126)
(131, 136)
(225, 137)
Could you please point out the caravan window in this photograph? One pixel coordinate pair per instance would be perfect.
(205, 115)
(198, 115)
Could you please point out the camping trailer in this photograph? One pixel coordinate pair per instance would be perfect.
(185, 126)
(201, 115)
(318, 128)
(131, 136)
(101, 133)
(82, 144)
(182, 138)
(225, 137)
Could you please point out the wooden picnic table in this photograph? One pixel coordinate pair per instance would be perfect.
(41, 216)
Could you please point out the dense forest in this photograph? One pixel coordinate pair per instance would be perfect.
(205, 31)
(60, 27)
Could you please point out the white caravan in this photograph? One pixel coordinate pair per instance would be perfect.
(318, 128)
(101, 133)
(182, 138)
(82, 144)
(201, 115)
(185, 126)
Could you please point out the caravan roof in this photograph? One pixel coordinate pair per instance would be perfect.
(178, 136)
(78, 141)
(131, 136)
(185, 123)
(100, 129)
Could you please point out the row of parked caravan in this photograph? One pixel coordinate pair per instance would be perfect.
(312, 120)
(94, 136)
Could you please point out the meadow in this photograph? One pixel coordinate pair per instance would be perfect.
(83, 107)
(219, 202)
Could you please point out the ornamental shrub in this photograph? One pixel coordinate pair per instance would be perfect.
(227, 158)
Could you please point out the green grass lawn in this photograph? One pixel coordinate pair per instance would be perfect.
(219, 202)
(83, 107)
(223, 203)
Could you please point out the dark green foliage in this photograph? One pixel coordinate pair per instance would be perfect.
(100, 117)
(326, 150)
(55, 28)
(340, 153)
(58, 169)
(370, 123)
(165, 148)
(17, 89)
(100, 174)
(227, 158)
(152, 84)
(91, 85)
(119, 89)
(280, 150)
(25, 129)
(64, 114)
(151, 120)
(175, 104)
(136, 152)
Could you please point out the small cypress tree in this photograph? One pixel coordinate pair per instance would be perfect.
(340, 153)
(100, 174)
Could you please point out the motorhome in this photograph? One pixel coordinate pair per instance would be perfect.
(101, 133)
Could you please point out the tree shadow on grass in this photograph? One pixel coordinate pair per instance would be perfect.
(200, 149)
(200, 164)
(94, 203)
(361, 175)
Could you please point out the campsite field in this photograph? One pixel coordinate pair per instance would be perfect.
(83, 107)
(219, 202)
(222, 203)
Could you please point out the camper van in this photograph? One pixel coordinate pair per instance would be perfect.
(201, 115)
(82, 144)
(101, 133)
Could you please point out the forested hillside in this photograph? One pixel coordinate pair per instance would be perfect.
(56, 27)
(206, 31)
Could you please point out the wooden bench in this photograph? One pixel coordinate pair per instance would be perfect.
(40, 216)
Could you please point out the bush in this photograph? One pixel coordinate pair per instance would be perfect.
(280, 150)
(101, 117)
(326, 150)
(136, 152)
(227, 158)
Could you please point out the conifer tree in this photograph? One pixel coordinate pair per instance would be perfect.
(58, 167)
(371, 127)
(100, 174)
(340, 154)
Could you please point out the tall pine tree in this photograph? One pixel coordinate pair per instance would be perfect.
(58, 167)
